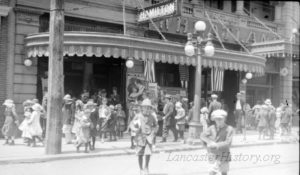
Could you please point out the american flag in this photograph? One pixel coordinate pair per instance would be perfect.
(149, 71)
(217, 78)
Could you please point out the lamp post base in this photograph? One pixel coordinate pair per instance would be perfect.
(195, 129)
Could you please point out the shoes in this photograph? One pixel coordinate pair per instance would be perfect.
(175, 140)
(12, 142)
(146, 171)
(6, 142)
(162, 141)
(132, 147)
(77, 149)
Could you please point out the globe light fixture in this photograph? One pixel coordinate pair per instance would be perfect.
(209, 50)
(189, 50)
(200, 26)
(129, 63)
(249, 75)
(295, 30)
(244, 81)
(27, 62)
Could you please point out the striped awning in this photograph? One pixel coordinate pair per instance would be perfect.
(140, 48)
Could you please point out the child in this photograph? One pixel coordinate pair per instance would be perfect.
(262, 121)
(85, 127)
(217, 138)
(120, 120)
(180, 120)
(112, 122)
(104, 116)
(9, 128)
(24, 125)
(34, 125)
(204, 118)
(145, 126)
(78, 114)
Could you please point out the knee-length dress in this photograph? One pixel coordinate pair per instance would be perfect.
(104, 115)
(34, 124)
(9, 128)
(24, 125)
(84, 133)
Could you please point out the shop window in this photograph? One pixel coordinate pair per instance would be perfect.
(167, 75)
(217, 4)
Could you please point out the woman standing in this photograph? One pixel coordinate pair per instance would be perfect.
(262, 121)
(34, 124)
(9, 128)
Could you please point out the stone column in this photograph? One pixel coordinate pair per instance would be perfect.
(240, 7)
(88, 71)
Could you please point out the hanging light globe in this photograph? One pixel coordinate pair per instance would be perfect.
(209, 50)
(27, 62)
(244, 81)
(189, 50)
(249, 75)
(295, 30)
(129, 63)
(200, 26)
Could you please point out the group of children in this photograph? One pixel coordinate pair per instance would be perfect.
(91, 120)
(30, 126)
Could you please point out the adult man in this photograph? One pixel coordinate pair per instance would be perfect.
(214, 105)
(271, 118)
(239, 113)
(169, 121)
(217, 139)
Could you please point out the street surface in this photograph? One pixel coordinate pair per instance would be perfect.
(280, 159)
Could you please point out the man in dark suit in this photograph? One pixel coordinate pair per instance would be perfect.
(168, 119)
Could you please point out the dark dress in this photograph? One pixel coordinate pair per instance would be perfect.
(9, 128)
(94, 120)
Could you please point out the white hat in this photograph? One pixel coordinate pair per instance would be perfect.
(8, 102)
(178, 104)
(37, 107)
(146, 102)
(268, 102)
(219, 113)
(214, 96)
(204, 109)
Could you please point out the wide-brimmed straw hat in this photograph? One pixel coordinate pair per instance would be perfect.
(147, 103)
(67, 98)
(204, 110)
(28, 103)
(268, 102)
(37, 107)
(219, 113)
(168, 96)
(214, 96)
(178, 105)
(8, 102)
(89, 104)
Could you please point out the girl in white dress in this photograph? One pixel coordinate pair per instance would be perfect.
(78, 115)
(24, 125)
(34, 125)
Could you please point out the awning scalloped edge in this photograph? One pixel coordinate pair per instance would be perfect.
(116, 52)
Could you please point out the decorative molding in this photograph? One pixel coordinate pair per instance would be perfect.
(4, 10)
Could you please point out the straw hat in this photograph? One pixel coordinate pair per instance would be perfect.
(168, 96)
(268, 102)
(178, 105)
(67, 98)
(89, 104)
(28, 103)
(214, 96)
(8, 102)
(219, 113)
(146, 102)
(204, 110)
(37, 107)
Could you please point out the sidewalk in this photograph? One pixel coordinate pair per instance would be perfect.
(20, 153)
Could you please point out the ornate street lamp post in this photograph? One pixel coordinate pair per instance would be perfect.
(196, 46)
(244, 81)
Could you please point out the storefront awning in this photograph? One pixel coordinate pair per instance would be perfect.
(276, 48)
(116, 46)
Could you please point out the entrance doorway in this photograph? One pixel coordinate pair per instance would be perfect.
(91, 73)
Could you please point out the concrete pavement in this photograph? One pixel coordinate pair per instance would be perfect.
(20, 153)
(269, 159)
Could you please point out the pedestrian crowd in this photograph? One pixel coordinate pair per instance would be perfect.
(87, 117)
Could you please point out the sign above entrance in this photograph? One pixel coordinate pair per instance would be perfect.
(161, 10)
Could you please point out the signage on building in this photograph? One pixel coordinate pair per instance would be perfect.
(161, 10)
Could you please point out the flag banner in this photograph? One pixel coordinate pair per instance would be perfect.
(149, 71)
(217, 77)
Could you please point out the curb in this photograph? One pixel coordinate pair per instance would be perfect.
(123, 153)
